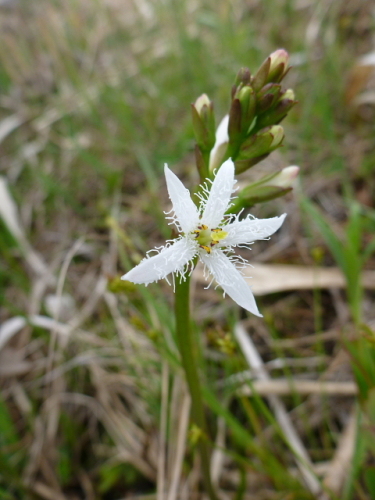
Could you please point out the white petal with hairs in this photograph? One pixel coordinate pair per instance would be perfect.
(208, 233)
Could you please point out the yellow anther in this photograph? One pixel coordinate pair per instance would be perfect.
(208, 249)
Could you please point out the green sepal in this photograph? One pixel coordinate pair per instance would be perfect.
(254, 194)
(248, 102)
(255, 145)
(261, 76)
(234, 125)
(268, 96)
(278, 73)
(243, 165)
(277, 114)
(204, 127)
(243, 77)
(259, 144)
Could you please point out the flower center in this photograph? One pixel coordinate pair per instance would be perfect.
(207, 238)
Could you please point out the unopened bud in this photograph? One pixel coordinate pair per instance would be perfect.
(203, 122)
(268, 96)
(247, 99)
(257, 147)
(234, 125)
(288, 94)
(261, 76)
(279, 61)
(262, 143)
(279, 56)
(243, 77)
(268, 188)
(277, 113)
(278, 135)
(244, 93)
(201, 102)
(272, 70)
(285, 178)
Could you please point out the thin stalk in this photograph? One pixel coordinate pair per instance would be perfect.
(189, 363)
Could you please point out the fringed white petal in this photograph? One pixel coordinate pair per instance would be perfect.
(220, 195)
(230, 280)
(183, 206)
(248, 230)
(221, 142)
(171, 259)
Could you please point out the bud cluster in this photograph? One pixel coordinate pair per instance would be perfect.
(253, 121)
(251, 130)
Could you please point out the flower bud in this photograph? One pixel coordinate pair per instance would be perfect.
(280, 56)
(234, 125)
(277, 132)
(273, 89)
(261, 76)
(243, 77)
(277, 113)
(257, 147)
(272, 70)
(202, 102)
(247, 99)
(279, 61)
(285, 178)
(262, 143)
(268, 188)
(203, 122)
(288, 94)
(268, 96)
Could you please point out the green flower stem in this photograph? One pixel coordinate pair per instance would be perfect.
(189, 363)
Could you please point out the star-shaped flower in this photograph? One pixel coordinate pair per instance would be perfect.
(206, 232)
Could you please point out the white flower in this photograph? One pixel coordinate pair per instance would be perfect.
(206, 232)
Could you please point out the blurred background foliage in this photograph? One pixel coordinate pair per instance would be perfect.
(95, 97)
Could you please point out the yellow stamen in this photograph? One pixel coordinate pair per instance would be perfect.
(208, 238)
(208, 249)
